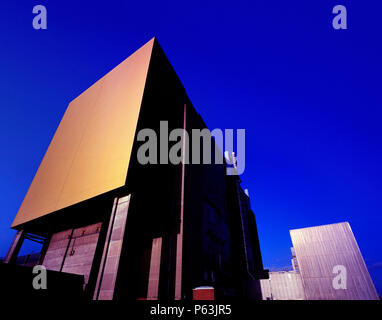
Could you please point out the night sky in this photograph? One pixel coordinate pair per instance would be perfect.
(308, 96)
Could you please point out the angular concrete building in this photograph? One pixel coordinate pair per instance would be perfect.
(327, 265)
(331, 264)
(132, 230)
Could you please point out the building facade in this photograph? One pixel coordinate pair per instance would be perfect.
(133, 230)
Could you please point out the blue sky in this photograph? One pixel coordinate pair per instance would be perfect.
(308, 96)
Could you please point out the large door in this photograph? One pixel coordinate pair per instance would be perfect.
(72, 250)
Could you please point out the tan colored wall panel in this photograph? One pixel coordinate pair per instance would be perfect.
(90, 151)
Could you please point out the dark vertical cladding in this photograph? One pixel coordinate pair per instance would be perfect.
(247, 260)
(207, 248)
(212, 233)
(155, 188)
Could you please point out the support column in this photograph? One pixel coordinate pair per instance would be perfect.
(15, 247)
(179, 238)
(153, 286)
(108, 270)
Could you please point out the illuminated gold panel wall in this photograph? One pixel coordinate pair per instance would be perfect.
(90, 151)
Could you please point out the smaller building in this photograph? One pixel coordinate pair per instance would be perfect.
(282, 285)
(331, 264)
(327, 265)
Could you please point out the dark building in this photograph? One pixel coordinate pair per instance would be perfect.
(138, 231)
